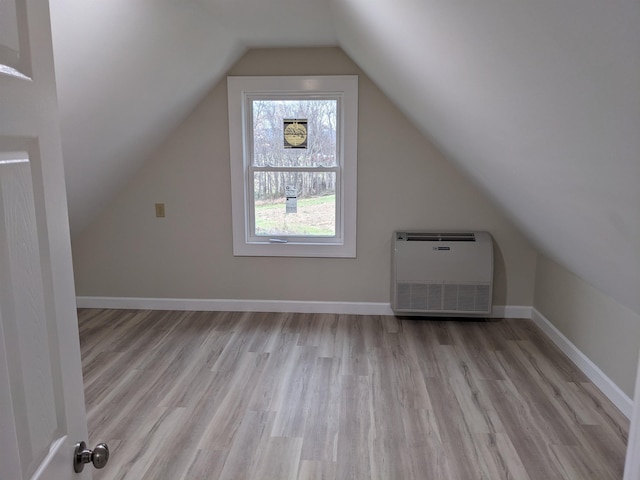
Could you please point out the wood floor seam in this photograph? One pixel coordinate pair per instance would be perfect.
(259, 395)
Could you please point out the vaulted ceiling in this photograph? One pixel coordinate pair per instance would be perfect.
(537, 101)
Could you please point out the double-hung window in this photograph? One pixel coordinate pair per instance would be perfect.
(293, 147)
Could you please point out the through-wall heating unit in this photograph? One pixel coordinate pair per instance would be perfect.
(442, 273)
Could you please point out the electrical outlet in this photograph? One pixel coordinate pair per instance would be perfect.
(160, 210)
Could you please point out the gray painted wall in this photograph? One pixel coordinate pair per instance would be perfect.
(403, 182)
(607, 332)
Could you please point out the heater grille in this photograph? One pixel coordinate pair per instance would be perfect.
(438, 237)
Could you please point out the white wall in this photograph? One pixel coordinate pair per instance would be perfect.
(403, 182)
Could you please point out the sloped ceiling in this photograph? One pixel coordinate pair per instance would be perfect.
(538, 101)
(129, 71)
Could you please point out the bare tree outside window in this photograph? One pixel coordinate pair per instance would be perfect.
(311, 172)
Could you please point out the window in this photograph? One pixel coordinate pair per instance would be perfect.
(293, 146)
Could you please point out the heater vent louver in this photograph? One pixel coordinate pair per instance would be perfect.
(453, 277)
(437, 237)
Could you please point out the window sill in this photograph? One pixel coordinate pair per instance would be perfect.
(292, 249)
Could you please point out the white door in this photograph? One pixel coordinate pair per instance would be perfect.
(42, 413)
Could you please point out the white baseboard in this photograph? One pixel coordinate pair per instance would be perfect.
(193, 304)
(511, 311)
(230, 305)
(590, 369)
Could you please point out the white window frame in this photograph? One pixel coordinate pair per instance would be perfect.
(241, 91)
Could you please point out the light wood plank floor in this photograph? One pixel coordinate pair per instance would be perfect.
(220, 395)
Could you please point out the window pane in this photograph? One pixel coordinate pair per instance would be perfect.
(272, 119)
(295, 203)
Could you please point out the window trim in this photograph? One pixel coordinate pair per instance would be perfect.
(242, 90)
